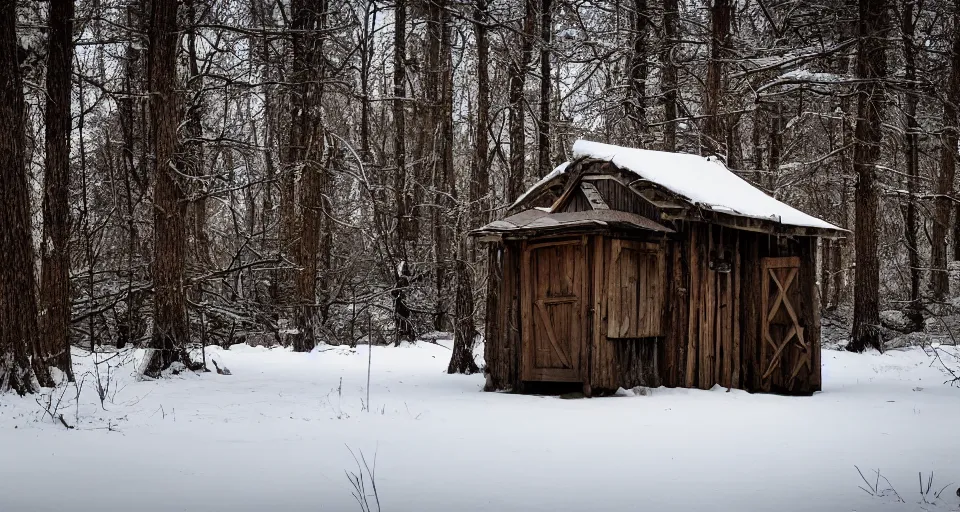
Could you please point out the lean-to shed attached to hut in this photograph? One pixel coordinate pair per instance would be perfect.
(628, 267)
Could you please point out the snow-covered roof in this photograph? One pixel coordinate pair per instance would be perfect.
(704, 182)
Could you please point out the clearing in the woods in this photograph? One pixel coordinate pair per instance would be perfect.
(282, 431)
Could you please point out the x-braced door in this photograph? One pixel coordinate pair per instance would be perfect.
(784, 352)
(553, 289)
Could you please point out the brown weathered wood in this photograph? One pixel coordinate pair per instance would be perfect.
(786, 359)
(693, 318)
(707, 340)
(547, 324)
(754, 327)
(526, 329)
(599, 324)
(735, 316)
(502, 347)
(811, 311)
(602, 358)
(552, 284)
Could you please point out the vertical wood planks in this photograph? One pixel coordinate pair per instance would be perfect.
(693, 318)
(735, 317)
(526, 306)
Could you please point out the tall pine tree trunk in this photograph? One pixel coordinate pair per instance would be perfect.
(517, 71)
(668, 80)
(402, 326)
(54, 248)
(939, 282)
(18, 305)
(714, 132)
(872, 70)
(464, 334)
(170, 326)
(912, 157)
(309, 19)
(546, 31)
(637, 100)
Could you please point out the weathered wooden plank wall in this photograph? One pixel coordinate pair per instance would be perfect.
(615, 362)
(711, 320)
(713, 332)
(673, 348)
(502, 347)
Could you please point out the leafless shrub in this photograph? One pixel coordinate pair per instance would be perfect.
(874, 489)
(364, 483)
(50, 402)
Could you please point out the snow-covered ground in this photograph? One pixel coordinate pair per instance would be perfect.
(278, 434)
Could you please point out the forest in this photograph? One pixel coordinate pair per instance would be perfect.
(180, 173)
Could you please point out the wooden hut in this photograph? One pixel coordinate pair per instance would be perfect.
(629, 267)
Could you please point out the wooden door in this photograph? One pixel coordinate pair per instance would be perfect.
(553, 292)
(784, 352)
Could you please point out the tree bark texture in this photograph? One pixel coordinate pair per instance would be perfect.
(480, 176)
(668, 80)
(546, 31)
(170, 328)
(912, 157)
(637, 100)
(721, 11)
(18, 305)
(307, 136)
(518, 74)
(939, 282)
(872, 30)
(54, 248)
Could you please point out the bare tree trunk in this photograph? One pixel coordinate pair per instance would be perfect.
(546, 31)
(518, 74)
(54, 248)
(18, 303)
(308, 20)
(714, 132)
(637, 100)
(908, 23)
(939, 282)
(193, 156)
(131, 116)
(480, 177)
(668, 79)
(464, 330)
(775, 144)
(403, 328)
(446, 247)
(872, 69)
(170, 327)
(366, 57)
(464, 334)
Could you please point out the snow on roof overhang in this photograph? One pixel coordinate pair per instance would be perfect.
(705, 183)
